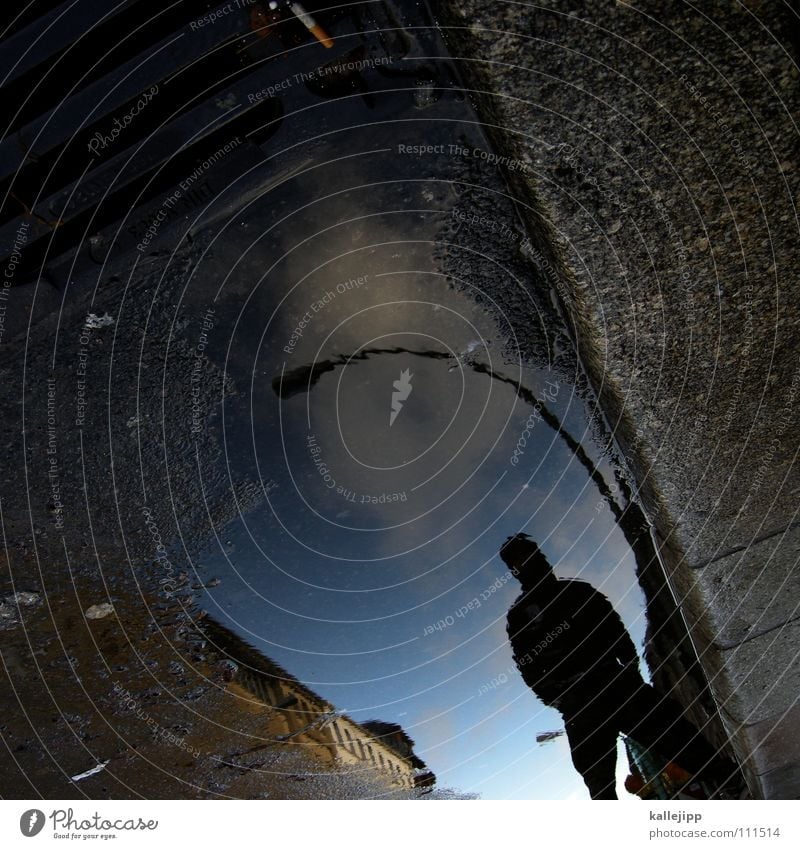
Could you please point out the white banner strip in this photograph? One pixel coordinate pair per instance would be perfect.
(351, 825)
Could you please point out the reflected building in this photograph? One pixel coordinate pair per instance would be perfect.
(294, 715)
(394, 736)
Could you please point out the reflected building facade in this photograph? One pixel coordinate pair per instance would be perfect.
(294, 715)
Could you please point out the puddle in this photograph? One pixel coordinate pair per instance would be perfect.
(352, 385)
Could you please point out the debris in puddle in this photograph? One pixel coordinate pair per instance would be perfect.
(465, 355)
(23, 598)
(99, 611)
(10, 606)
(228, 102)
(8, 616)
(93, 771)
(95, 322)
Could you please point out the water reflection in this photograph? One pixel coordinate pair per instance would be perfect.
(401, 425)
(573, 651)
(351, 350)
(372, 573)
(298, 718)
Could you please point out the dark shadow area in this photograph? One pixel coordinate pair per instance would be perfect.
(573, 651)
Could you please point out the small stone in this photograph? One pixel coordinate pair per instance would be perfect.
(95, 322)
(99, 611)
(23, 599)
(8, 615)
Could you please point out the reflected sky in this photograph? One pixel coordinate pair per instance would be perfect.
(369, 568)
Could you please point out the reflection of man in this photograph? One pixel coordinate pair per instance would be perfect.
(573, 651)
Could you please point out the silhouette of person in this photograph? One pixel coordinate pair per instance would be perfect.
(573, 651)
